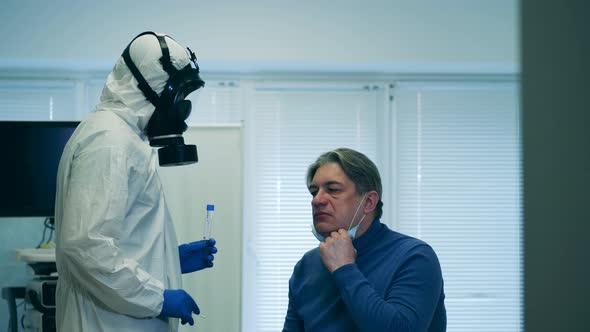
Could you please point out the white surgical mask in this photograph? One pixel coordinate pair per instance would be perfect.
(351, 230)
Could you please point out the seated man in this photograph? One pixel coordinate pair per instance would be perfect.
(363, 276)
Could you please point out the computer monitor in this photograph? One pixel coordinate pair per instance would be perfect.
(30, 151)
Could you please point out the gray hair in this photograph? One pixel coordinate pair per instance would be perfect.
(358, 167)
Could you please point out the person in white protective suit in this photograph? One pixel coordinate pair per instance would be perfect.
(118, 259)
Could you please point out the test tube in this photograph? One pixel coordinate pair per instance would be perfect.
(208, 221)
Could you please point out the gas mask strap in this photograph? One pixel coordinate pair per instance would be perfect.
(142, 84)
(165, 59)
(193, 58)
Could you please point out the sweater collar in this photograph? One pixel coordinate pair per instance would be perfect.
(367, 238)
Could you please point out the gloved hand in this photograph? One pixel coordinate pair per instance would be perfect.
(196, 255)
(177, 303)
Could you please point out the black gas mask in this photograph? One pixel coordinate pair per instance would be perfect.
(166, 125)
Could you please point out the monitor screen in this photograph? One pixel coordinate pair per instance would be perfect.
(30, 157)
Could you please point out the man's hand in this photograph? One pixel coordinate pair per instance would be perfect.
(337, 250)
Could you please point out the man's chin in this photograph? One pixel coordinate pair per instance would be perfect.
(324, 228)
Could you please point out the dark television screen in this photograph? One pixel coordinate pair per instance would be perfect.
(30, 156)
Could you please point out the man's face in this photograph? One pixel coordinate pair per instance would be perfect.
(335, 199)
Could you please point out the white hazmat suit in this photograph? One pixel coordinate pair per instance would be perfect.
(116, 245)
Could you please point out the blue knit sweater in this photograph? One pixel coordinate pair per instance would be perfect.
(394, 285)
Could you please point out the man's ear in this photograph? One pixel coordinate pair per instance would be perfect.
(371, 202)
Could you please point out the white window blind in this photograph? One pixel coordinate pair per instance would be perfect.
(219, 102)
(291, 126)
(37, 100)
(459, 189)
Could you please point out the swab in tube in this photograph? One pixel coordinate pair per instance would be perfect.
(208, 221)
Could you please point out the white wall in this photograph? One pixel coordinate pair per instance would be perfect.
(270, 35)
(215, 179)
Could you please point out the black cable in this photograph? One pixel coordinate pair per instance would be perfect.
(51, 227)
(22, 318)
(43, 238)
(50, 235)
(47, 225)
(14, 320)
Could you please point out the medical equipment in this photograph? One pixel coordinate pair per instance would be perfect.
(39, 293)
(40, 314)
(208, 221)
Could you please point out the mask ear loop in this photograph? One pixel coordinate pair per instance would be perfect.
(357, 210)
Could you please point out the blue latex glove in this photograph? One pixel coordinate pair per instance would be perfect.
(196, 255)
(177, 303)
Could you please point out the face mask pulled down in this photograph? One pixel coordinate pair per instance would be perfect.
(351, 230)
